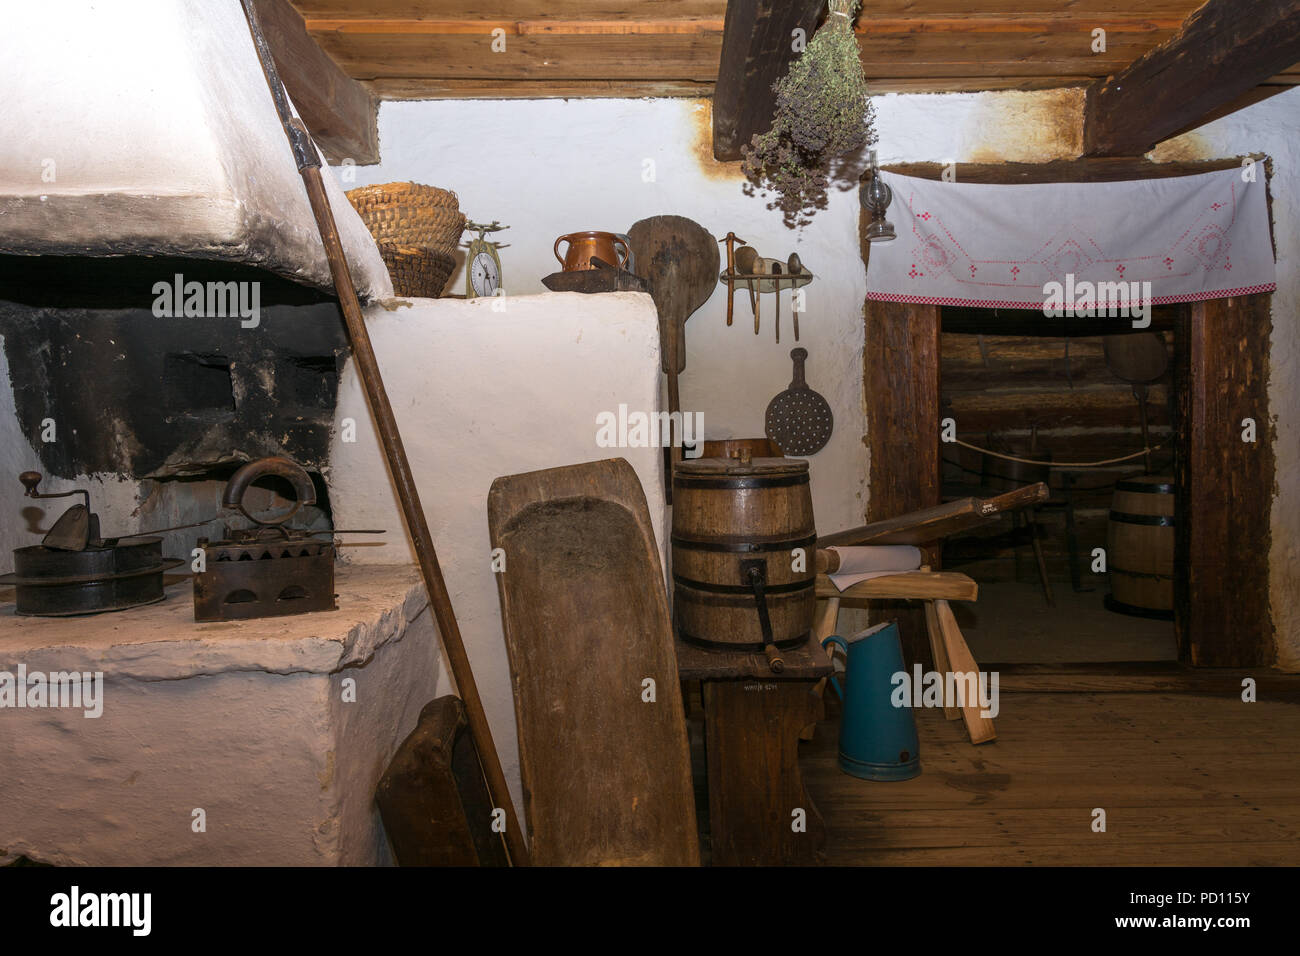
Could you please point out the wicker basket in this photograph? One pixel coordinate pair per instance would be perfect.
(410, 214)
(417, 271)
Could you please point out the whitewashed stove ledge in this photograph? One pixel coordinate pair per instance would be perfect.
(246, 722)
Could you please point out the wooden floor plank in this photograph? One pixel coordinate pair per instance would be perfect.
(899, 829)
(1184, 780)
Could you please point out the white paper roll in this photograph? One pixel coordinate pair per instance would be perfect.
(864, 563)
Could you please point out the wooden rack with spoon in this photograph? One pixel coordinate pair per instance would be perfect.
(760, 275)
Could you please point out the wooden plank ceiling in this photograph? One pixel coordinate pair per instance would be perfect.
(423, 49)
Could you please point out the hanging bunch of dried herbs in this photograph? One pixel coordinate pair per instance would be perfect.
(823, 122)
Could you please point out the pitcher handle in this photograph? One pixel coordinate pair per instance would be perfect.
(843, 645)
(627, 250)
(556, 249)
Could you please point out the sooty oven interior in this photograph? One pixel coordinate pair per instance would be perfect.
(105, 386)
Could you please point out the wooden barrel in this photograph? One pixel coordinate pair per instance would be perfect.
(730, 515)
(1140, 547)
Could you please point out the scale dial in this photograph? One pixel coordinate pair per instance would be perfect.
(484, 273)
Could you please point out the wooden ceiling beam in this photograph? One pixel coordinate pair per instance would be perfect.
(487, 10)
(518, 28)
(757, 49)
(567, 48)
(1252, 96)
(1224, 49)
(869, 24)
(459, 88)
(340, 113)
(641, 26)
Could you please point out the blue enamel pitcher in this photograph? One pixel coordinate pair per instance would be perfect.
(877, 740)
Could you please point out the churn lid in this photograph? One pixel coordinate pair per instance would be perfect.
(741, 465)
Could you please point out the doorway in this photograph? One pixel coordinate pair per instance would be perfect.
(1222, 441)
(1070, 402)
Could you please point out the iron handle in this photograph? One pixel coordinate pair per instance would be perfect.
(756, 576)
(286, 468)
(32, 480)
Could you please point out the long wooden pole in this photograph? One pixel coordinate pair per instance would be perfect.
(399, 467)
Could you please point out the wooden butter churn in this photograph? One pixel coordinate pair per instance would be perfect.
(736, 525)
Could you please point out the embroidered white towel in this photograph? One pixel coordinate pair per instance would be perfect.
(1190, 237)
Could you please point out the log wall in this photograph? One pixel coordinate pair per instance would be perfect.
(1006, 390)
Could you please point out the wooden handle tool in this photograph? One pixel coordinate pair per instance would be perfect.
(795, 265)
(746, 261)
(390, 439)
(776, 270)
(731, 240)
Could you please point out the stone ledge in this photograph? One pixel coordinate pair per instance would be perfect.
(163, 641)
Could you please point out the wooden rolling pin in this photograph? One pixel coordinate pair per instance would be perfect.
(930, 524)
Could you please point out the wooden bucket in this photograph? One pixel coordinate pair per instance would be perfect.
(730, 515)
(1140, 547)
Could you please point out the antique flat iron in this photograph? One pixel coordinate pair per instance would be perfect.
(270, 569)
(75, 571)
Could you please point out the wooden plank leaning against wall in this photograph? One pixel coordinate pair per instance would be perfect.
(1225, 484)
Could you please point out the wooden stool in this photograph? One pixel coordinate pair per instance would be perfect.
(936, 589)
(753, 720)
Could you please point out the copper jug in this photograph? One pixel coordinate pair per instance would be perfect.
(584, 245)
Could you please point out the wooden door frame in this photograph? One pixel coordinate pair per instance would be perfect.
(1221, 372)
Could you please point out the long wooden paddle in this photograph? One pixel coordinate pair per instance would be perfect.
(679, 259)
(308, 160)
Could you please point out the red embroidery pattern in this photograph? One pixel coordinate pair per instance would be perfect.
(1018, 304)
(1062, 253)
